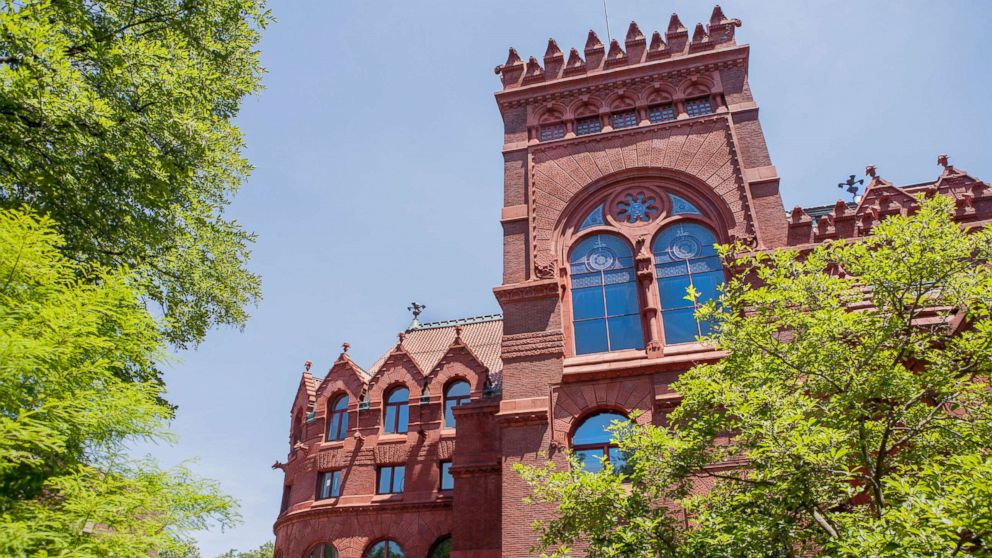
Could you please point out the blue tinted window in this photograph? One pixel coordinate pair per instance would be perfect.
(685, 255)
(682, 207)
(661, 113)
(396, 412)
(391, 479)
(447, 481)
(337, 419)
(456, 394)
(595, 218)
(698, 106)
(385, 549)
(329, 485)
(592, 442)
(605, 308)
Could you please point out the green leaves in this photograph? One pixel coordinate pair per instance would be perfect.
(856, 390)
(116, 121)
(77, 382)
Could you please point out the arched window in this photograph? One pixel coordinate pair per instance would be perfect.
(337, 419)
(396, 412)
(685, 256)
(385, 549)
(322, 550)
(457, 393)
(592, 441)
(605, 311)
(442, 548)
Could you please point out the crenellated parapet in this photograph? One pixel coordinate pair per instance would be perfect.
(883, 199)
(598, 57)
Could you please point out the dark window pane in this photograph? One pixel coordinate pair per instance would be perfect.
(394, 550)
(624, 119)
(673, 291)
(590, 337)
(589, 125)
(625, 333)
(587, 303)
(335, 484)
(680, 326)
(378, 550)
(698, 106)
(552, 132)
(661, 113)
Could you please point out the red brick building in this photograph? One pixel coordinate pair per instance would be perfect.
(623, 165)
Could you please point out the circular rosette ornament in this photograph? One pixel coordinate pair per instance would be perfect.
(636, 207)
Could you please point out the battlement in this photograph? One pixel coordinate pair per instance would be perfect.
(637, 49)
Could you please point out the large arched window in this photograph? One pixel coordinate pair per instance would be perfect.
(322, 550)
(337, 419)
(385, 549)
(605, 311)
(396, 413)
(442, 548)
(457, 393)
(685, 256)
(592, 441)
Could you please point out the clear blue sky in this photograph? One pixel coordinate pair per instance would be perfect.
(378, 174)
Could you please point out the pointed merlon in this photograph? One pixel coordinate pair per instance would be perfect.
(553, 50)
(657, 48)
(699, 34)
(534, 71)
(615, 51)
(593, 43)
(675, 25)
(634, 33)
(513, 58)
(717, 17)
(575, 64)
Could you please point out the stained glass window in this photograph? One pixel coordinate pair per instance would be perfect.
(455, 394)
(624, 119)
(637, 207)
(594, 219)
(605, 310)
(552, 132)
(685, 256)
(397, 413)
(592, 442)
(385, 549)
(661, 113)
(337, 419)
(682, 207)
(698, 106)
(589, 125)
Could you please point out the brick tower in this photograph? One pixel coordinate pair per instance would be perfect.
(627, 147)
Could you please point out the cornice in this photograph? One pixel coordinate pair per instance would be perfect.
(528, 290)
(371, 508)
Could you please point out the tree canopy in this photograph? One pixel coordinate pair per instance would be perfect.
(116, 120)
(851, 416)
(68, 332)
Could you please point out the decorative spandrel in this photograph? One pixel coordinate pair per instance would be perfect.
(594, 219)
(682, 207)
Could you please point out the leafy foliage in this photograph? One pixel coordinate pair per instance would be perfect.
(71, 336)
(850, 417)
(267, 550)
(116, 121)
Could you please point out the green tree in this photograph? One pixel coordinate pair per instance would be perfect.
(70, 335)
(267, 550)
(851, 417)
(116, 121)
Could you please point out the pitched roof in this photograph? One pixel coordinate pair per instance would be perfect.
(427, 343)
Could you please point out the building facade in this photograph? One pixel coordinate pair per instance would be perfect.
(623, 165)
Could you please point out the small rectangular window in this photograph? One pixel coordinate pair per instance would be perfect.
(698, 106)
(390, 479)
(552, 132)
(590, 125)
(661, 113)
(447, 481)
(286, 491)
(328, 485)
(626, 119)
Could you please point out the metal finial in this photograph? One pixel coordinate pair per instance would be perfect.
(852, 187)
(345, 346)
(307, 365)
(416, 309)
(944, 161)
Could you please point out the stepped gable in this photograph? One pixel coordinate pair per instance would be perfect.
(427, 343)
(717, 34)
(881, 199)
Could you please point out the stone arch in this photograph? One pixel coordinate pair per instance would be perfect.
(696, 86)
